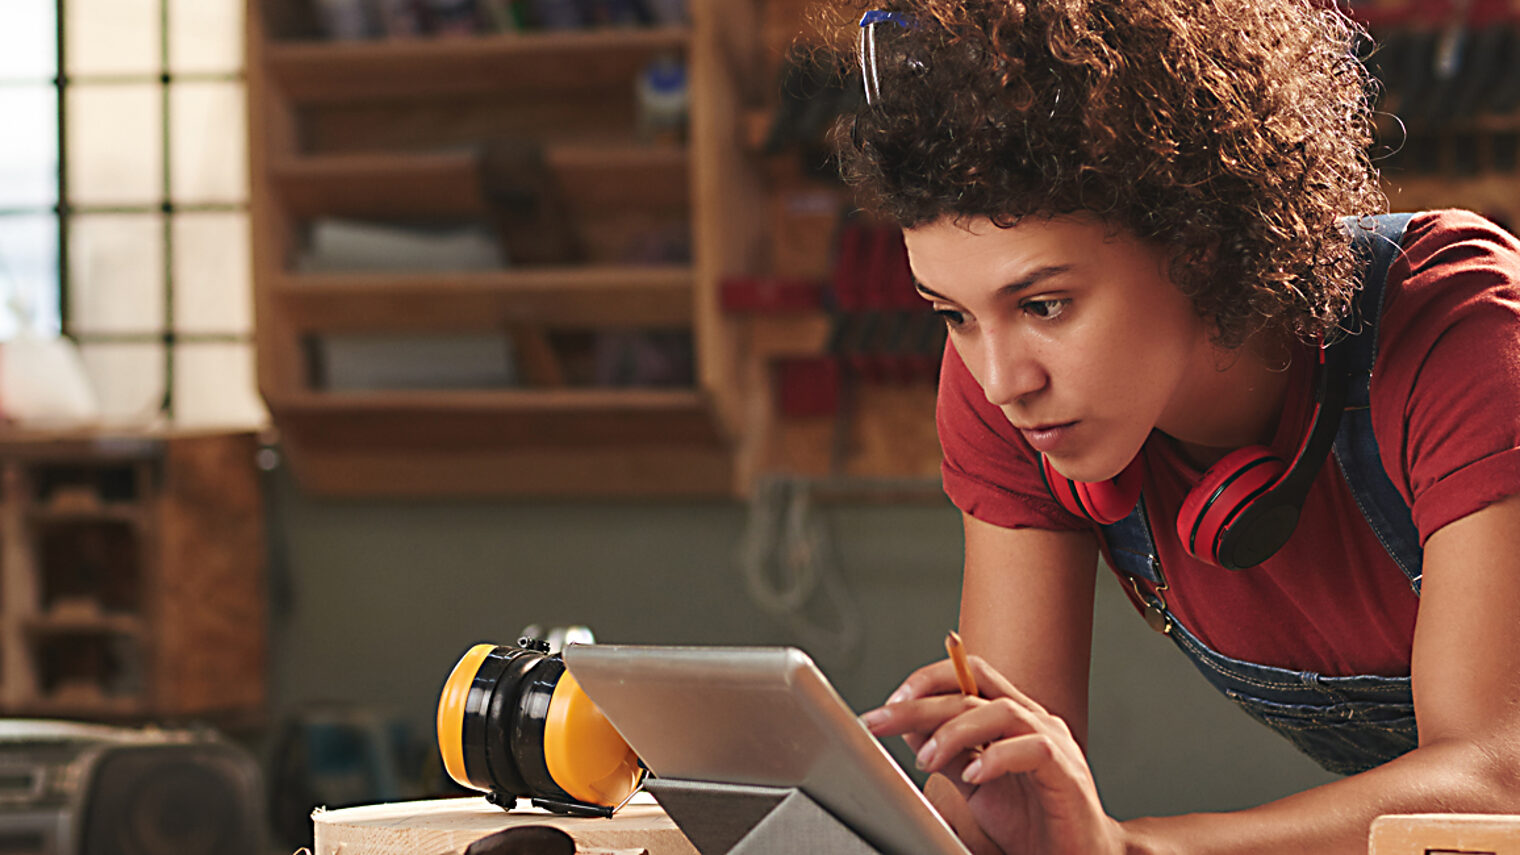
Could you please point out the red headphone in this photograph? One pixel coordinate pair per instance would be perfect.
(1246, 505)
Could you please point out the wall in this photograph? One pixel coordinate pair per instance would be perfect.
(375, 600)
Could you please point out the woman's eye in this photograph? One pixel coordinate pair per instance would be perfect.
(1045, 308)
(952, 316)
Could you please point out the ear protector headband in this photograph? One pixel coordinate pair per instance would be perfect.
(513, 723)
(1247, 504)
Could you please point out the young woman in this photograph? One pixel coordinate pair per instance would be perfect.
(1180, 335)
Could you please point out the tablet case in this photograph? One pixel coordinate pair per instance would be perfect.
(731, 819)
(753, 724)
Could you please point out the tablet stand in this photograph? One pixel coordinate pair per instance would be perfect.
(733, 819)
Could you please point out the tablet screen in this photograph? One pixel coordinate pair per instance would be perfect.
(763, 716)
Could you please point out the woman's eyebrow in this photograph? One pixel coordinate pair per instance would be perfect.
(1033, 277)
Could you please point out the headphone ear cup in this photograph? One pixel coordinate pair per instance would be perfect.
(1104, 502)
(1225, 491)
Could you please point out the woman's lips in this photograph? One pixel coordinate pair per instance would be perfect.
(1047, 438)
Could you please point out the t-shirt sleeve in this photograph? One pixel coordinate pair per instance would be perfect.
(1446, 384)
(989, 471)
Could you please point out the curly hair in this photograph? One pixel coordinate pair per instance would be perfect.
(1235, 133)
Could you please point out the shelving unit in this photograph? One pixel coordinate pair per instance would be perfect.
(402, 130)
(131, 576)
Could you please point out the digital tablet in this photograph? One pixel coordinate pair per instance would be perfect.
(760, 716)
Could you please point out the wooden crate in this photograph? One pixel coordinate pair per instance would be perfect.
(131, 576)
(1445, 834)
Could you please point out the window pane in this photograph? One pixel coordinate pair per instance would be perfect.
(116, 273)
(205, 36)
(29, 41)
(29, 147)
(214, 385)
(208, 142)
(115, 136)
(212, 289)
(29, 271)
(112, 36)
(128, 380)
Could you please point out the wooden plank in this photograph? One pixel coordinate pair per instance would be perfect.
(601, 297)
(449, 826)
(272, 137)
(380, 185)
(541, 472)
(728, 200)
(450, 183)
(605, 117)
(19, 595)
(1445, 834)
(210, 650)
(417, 422)
(883, 431)
(313, 72)
(646, 177)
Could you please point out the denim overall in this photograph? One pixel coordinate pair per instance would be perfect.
(1347, 724)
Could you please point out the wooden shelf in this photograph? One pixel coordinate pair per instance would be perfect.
(436, 128)
(413, 184)
(571, 298)
(451, 184)
(472, 419)
(312, 72)
(567, 442)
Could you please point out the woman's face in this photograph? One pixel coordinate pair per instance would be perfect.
(1073, 329)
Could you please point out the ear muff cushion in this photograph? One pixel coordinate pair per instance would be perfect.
(1104, 502)
(1225, 490)
(452, 707)
(585, 755)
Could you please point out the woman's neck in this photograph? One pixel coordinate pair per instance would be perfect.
(1234, 402)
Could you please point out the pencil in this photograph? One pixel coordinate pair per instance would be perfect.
(957, 653)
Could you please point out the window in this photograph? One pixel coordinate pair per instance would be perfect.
(123, 200)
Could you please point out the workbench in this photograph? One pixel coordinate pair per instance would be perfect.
(449, 826)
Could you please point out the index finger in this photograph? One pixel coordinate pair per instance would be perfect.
(936, 678)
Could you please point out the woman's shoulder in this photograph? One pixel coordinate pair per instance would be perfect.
(1450, 257)
(1429, 232)
(1446, 383)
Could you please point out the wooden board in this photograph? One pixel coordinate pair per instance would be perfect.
(1445, 834)
(448, 826)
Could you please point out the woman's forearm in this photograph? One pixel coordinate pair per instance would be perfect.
(1452, 776)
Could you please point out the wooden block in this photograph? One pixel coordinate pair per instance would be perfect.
(1445, 834)
(449, 826)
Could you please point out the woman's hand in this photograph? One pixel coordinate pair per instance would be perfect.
(1021, 772)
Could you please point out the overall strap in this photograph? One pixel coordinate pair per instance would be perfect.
(1356, 447)
(1128, 543)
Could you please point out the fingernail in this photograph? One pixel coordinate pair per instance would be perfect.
(972, 771)
(925, 753)
(874, 717)
(902, 694)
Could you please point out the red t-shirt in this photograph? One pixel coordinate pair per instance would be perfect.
(1446, 413)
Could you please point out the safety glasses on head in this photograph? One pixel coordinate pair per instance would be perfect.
(868, 24)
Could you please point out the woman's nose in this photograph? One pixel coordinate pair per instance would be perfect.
(1010, 372)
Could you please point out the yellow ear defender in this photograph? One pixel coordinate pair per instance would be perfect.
(514, 723)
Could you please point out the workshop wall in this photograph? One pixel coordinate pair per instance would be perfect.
(374, 601)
